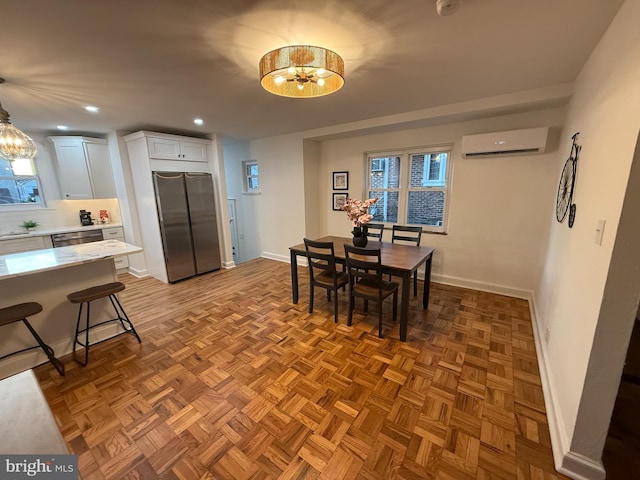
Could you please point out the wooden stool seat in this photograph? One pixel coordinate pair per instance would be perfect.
(87, 296)
(19, 313)
(94, 293)
(15, 313)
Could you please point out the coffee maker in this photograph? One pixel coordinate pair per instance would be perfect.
(85, 218)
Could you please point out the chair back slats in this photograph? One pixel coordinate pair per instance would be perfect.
(405, 233)
(375, 230)
(321, 258)
(363, 264)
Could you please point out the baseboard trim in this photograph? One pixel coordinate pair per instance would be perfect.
(568, 463)
(275, 256)
(138, 272)
(481, 286)
(230, 264)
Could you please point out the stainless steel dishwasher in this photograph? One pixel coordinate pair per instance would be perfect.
(74, 238)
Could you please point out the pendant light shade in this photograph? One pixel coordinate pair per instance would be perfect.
(14, 144)
(301, 71)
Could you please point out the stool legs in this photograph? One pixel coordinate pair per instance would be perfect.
(59, 366)
(131, 328)
(120, 315)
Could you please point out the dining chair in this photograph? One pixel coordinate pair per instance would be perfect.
(406, 234)
(322, 272)
(364, 268)
(375, 230)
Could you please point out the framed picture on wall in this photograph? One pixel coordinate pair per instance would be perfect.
(341, 180)
(339, 199)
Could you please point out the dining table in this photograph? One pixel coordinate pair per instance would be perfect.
(397, 259)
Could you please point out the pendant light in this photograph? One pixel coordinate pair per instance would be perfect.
(14, 144)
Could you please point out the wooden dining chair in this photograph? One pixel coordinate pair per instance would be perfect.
(375, 230)
(322, 272)
(364, 268)
(406, 234)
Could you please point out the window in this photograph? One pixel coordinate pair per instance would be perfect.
(250, 168)
(412, 187)
(19, 184)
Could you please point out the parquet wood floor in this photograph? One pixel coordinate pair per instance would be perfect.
(232, 381)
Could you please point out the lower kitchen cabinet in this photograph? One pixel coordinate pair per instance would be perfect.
(116, 233)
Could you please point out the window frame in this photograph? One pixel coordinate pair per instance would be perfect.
(246, 177)
(405, 157)
(25, 206)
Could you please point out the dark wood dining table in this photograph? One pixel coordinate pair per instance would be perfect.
(398, 260)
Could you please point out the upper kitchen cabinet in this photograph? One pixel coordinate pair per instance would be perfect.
(84, 168)
(165, 148)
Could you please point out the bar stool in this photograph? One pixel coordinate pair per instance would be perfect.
(20, 312)
(87, 296)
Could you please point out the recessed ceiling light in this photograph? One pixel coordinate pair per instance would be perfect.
(62, 127)
(92, 109)
(198, 121)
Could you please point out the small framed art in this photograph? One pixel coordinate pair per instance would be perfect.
(341, 180)
(339, 199)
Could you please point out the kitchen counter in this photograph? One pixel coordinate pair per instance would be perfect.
(50, 231)
(47, 276)
(27, 426)
(27, 263)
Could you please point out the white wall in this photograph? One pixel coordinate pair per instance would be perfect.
(498, 207)
(569, 297)
(281, 210)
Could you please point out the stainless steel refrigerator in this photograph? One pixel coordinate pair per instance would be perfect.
(187, 215)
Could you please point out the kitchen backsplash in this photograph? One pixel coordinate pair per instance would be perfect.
(59, 213)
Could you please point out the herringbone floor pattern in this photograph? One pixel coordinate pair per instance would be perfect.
(232, 381)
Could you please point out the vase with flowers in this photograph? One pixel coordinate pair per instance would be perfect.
(358, 213)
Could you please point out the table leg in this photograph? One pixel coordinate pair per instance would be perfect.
(427, 281)
(294, 276)
(404, 310)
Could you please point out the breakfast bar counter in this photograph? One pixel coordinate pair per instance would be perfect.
(47, 277)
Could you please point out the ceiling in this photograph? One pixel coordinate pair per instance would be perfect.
(158, 64)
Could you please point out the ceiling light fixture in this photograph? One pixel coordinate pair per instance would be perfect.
(14, 144)
(198, 121)
(92, 109)
(301, 71)
(62, 127)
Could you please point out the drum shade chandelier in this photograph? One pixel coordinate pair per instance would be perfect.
(14, 144)
(301, 71)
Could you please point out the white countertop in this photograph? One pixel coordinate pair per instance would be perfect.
(39, 232)
(27, 425)
(34, 261)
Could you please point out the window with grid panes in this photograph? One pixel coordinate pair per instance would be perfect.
(412, 187)
(251, 183)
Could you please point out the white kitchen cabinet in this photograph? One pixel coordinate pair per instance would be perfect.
(25, 244)
(84, 167)
(143, 162)
(116, 233)
(171, 149)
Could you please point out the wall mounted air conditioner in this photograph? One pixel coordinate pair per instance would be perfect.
(513, 142)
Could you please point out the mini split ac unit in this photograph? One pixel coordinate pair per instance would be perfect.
(513, 142)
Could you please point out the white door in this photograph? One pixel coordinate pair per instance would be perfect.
(233, 226)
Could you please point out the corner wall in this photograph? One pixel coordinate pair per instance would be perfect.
(582, 371)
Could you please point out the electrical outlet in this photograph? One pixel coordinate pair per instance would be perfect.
(547, 332)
